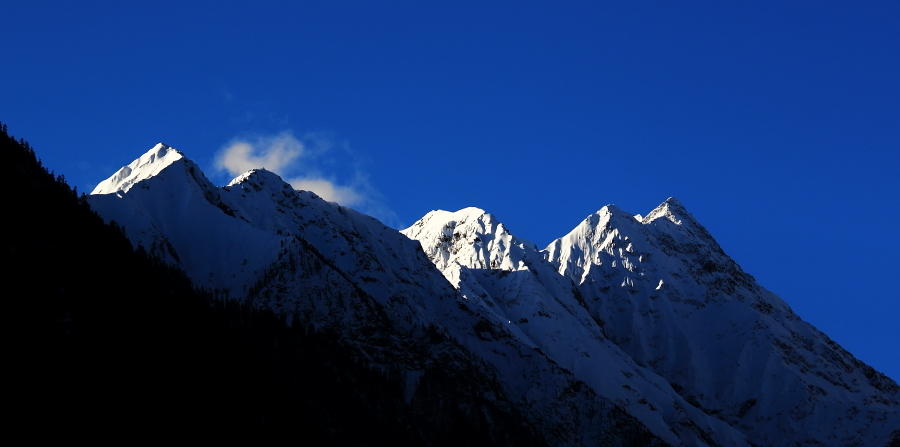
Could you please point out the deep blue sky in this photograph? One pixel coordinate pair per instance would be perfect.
(776, 123)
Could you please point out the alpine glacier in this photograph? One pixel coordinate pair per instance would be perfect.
(626, 323)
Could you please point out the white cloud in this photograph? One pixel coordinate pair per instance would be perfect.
(273, 153)
(314, 163)
(328, 190)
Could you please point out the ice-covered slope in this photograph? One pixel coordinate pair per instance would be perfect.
(622, 330)
(168, 207)
(508, 278)
(259, 241)
(669, 296)
(148, 165)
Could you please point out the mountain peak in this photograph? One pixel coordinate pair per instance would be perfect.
(613, 210)
(671, 209)
(644, 315)
(258, 177)
(471, 237)
(674, 204)
(610, 209)
(148, 165)
(605, 216)
(452, 219)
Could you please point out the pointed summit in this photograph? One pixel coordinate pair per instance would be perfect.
(146, 166)
(470, 237)
(610, 213)
(258, 179)
(441, 221)
(672, 210)
(672, 215)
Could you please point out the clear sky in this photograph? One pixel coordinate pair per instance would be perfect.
(777, 124)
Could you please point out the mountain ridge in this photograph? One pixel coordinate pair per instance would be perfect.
(627, 291)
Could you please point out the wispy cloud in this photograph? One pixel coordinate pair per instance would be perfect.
(328, 190)
(274, 153)
(314, 162)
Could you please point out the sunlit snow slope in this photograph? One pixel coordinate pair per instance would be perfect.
(622, 329)
(661, 289)
(669, 296)
(259, 241)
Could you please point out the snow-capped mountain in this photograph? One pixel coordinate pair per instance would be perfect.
(661, 289)
(509, 278)
(259, 241)
(675, 302)
(627, 328)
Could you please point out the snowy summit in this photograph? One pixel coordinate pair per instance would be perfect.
(145, 167)
(628, 323)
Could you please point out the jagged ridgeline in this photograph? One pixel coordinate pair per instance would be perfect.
(108, 338)
(626, 326)
(312, 317)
